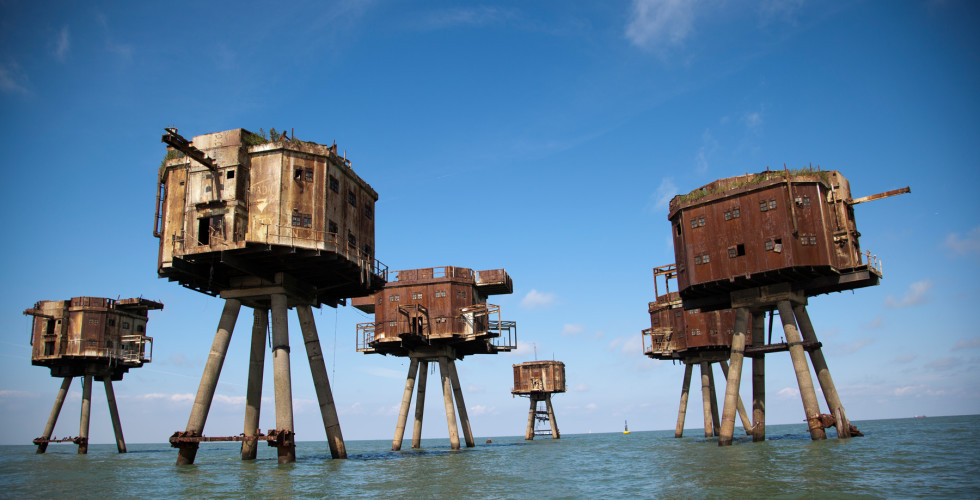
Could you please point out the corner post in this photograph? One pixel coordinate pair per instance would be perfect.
(413, 368)
(807, 394)
(59, 401)
(253, 395)
(682, 409)
(734, 377)
(321, 382)
(110, 397)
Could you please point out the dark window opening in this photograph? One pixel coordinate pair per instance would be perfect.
(677, 229)
(298, 174)
(49, 327)
(352, 198)
(777, 245)
(140, 328)
(367, 250)
(334, 184)
(307, 221)
(332, 227)
(739, 250)
(204, 231)
(309, 174)
(368, 211)
(230, 174)
(110, 322)
(49, 348)
(351, 240)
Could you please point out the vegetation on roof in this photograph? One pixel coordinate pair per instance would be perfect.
(751, 179)
(253, 139)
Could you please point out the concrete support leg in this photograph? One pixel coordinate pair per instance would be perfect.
(807, 394)
(551, 417)
(706, 397)
(86, 413)
(209, 380)
(253, 394)
(59, 401)
(742, 414)
(682, 409)
(413, 368)
(464, 419)
(321, 382)
(420, 404)
(282, 380)
(531, 415)
(447, 396)
(758, 383)
(734, 377)
(110, 397)
(823, 373)
(715, 424)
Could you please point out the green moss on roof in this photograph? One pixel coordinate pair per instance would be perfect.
(750, 179)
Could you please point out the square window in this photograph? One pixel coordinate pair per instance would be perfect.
(705, 259)
(772, 204)
(309, 174)
(368, 211)
(332, 227)
(334, 184)
(806, 201)
(763, 206)
(731, 252)
(694, 223)
(804, 241)
(351, 240)
(701, 221)
(298, 174)
(230, 174)
(728, 215)
(697, 259)
(297, 220)
(813, 240)
(736, 213)
(368, 250)
(307, 221)
(352, 198)
(768, 245)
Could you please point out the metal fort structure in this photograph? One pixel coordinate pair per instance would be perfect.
(93, 338)
(766, 242)
(273, 224)
(436, 315)
(538, 380)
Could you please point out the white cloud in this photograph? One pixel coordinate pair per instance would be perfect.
(571, 330)
(706, 151)
(173, 398)
(478, 410)
(915, 295)
(660, 24)
(535, 299)
(964, 245)
(853, 346)
(591, 406)
(660, 199)
(581, 387)
(916, 390)
(967, 344)
(12, 79)
(62, 44)
(6, 394)
(875, 323)
(788, 392)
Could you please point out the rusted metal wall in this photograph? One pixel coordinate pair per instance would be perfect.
(539, 376)
(675, 333)
(90, 328)
(763, 228)
(295, 194)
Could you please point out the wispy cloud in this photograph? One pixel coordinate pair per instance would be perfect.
(465, 16)
(660, 24)
(660, 199)
(582, 387)
(478, 410)
(13, 80)
(875, 324)
(535, 299)
(964, 245)
(753, 120)
(915, 295)
(62, 44)
(10, 394)
(705, 152)
(788, 392)
(967, 344)
(571, 330)
(916, 390)
(853, 346)
(124, 51)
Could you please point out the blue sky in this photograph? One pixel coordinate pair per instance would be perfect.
(545, 138)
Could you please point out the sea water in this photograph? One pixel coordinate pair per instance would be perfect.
(935, 456)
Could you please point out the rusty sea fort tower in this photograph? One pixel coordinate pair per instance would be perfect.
(273, 225)
(767, 242)
(93, 338)
(436, 315)
(538, 380)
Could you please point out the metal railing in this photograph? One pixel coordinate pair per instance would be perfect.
(656, 340)
(365, 335)
(873, 261)
(131, 349)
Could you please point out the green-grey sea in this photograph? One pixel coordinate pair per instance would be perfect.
(934, 456)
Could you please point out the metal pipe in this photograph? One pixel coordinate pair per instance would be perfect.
(413, 368)
(282, 382)
(256, 367)
(807, 394)
(464, 419)
(86, 413)
(447, 396)
(420, 404)
(682, 410)
(59, 401)
(734, 377)
(110, 397)
(209, 380)
(321, 382)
